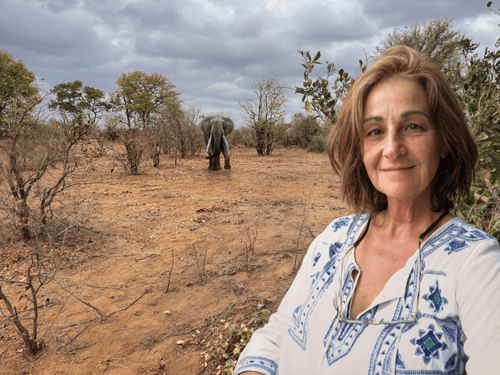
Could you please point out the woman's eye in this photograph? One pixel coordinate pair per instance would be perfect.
(413, 127)
(374, 132)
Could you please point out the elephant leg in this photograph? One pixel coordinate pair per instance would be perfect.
(227, 164)
(217, 162)
(211, 163)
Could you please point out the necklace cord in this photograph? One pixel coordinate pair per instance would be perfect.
(431, 227)
(420, 238)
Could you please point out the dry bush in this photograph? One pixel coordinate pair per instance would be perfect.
(200, 262)
(35, 163)
(135, 145)
(228, 340)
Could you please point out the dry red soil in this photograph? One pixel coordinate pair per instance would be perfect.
(152, 224)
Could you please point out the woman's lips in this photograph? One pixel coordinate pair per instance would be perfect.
(395, 169)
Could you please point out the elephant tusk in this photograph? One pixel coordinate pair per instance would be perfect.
(209, 140)
(225, 141)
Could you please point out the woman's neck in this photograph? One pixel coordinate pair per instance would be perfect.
(407, 218)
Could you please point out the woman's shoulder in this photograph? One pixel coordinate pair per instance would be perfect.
(337, 237)
(344, 229)
(457, 236)
(348, 222)
(459, 227)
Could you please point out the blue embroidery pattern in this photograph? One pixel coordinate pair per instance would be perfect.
(456, 238)
(383, 352)
(399, 361)
(455, 246)
(428, 344)
(300, 318)
(316, 258)
(344, 337)
(381, 358)
(435, 298)
(386, 358)
(444, 338)
(342, 222)
(322, 280)
(451, 362)
(260, 363)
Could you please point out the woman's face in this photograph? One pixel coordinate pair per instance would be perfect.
(400, 145)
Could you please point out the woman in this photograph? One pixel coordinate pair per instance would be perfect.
(402, 287)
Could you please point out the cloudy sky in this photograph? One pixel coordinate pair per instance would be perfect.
(211, 49)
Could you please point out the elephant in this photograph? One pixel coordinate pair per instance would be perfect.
(215, 130)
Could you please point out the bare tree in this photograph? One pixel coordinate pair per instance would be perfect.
(263, 111)
(193, 134)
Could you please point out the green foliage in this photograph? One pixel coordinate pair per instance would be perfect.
(480, 97)
(145, 98)
(17, 84)
(31, 148)
(316, 95)
(303, 129)
(437, 39)
(73, 99)
(317, 144)
(479, 94)
(141, 94)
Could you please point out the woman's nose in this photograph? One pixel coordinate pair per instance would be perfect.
(394, 146)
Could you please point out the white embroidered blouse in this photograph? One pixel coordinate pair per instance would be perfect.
(458, 312)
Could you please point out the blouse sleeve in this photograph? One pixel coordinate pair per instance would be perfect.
(262, 353)
(478, 299)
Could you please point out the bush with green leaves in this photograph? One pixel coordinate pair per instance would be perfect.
(317, 95)
(480, 95)
(303, 129)
(142, 97)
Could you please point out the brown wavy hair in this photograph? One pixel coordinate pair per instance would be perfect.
(455, 172)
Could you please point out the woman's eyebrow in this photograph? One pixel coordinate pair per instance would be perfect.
(375, 118)
(407, 114)
(404, 116)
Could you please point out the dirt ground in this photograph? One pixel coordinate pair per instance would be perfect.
(183, 221)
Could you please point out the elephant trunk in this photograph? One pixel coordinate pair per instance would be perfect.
(216, 138)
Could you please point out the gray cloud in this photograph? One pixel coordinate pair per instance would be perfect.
(211, 49)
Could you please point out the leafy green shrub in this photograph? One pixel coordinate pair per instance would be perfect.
(479, 93)
(317, 144)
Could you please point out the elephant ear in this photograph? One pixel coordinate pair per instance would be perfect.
(205, 124)
(205, 127)
(228, 125)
